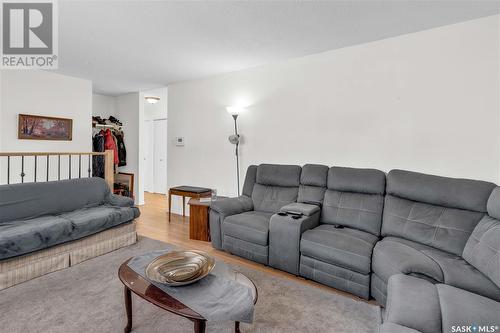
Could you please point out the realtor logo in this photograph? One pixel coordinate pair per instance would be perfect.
(29, 38)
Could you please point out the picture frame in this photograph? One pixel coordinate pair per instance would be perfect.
(124, 184)
(35, 127)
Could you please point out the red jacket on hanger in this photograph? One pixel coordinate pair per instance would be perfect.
(109, 143)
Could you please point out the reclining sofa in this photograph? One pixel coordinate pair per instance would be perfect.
(421, 244)
(49, 226)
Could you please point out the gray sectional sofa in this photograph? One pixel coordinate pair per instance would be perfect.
(51, 225)
(428, 246)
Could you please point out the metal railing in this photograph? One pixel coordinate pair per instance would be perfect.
(45, 157)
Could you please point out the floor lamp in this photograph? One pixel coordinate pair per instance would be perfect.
(235, 111)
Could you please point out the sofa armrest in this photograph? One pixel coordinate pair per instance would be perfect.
(285, 233)
(232, 206)
(300, 208)
(220, 209)
(119, 200)
(414, 303)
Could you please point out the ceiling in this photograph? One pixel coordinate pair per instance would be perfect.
(129, 46)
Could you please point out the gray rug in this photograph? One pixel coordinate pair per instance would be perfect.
(89, 298)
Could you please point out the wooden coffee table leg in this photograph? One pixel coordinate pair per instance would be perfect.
(128, 309)
(236, 327)
(199, 326)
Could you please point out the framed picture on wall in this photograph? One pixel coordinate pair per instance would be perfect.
(33, 127)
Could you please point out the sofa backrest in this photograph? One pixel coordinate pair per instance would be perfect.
(275, 186)
(30, 200)
(312, 183)
(437, 211)
(483, 247)
(250, 179)
(354, 198)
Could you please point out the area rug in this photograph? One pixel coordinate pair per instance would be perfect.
(88, 297)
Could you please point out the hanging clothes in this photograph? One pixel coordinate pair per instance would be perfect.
(109, 143)
(111, 138)
(98, 161)
(122, 151)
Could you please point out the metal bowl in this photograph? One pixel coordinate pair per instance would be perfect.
(179, 268)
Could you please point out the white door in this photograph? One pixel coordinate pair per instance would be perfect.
(148, 156)
(160, 155)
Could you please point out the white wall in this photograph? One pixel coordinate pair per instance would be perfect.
(129, 110)
(427, 101)
(49, 94)
(103, 106)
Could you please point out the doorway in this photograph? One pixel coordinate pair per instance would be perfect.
(155, 156)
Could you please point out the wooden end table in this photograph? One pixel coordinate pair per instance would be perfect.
(135, 283)
(186, 191)
(199, 228)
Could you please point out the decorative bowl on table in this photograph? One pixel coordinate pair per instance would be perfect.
(180, 268)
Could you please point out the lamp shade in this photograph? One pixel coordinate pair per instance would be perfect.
(235, 110)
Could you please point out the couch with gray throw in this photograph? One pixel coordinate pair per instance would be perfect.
(52, 225)
(424, 244)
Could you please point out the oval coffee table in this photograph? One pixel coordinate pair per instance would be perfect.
(135, 283)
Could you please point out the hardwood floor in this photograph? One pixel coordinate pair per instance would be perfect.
(153, 223)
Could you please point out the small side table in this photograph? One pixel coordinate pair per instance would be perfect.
(186, 191)
(199, 228)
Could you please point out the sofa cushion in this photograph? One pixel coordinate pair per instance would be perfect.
(337, 277)
(88, 221)
(356, 210)
(395, 255)
(457, 193)
(413, 303)
(463, 308)
(250, 226)
(344, 247)
(312, 183)
(248, 250)
(370, 181)
(31, 200)
(314, 175)
(429, 308)
(25, 236)
(271, 198)
(278, 175)
(441, 227)
(483, 248)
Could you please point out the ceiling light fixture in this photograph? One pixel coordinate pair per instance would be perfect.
(152, 99)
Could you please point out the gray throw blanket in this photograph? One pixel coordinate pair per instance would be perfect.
(217, 297)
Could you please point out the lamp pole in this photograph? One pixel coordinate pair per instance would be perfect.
(234, 111)
(235, 116)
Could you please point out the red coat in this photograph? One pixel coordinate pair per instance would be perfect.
(109, 143)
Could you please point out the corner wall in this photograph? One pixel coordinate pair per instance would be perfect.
(103, 106)
(129, 110)
(426, 101)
